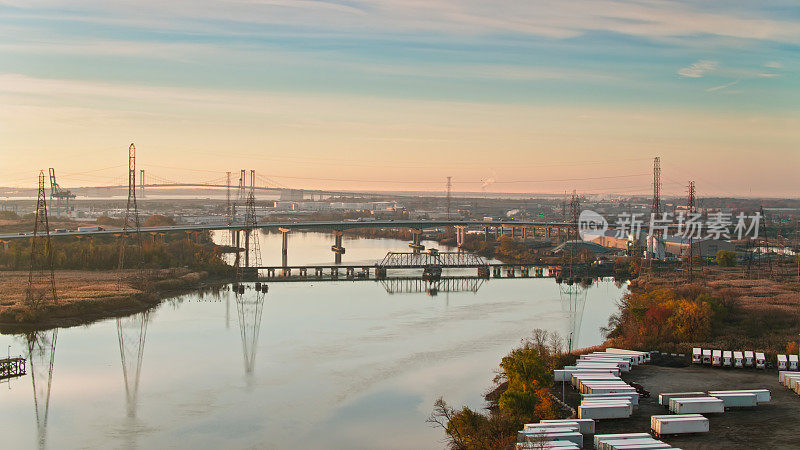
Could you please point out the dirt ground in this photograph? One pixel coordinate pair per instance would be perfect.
(771, 425)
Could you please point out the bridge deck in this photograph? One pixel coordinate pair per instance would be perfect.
(318, 225)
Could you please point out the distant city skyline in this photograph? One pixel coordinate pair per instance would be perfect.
(503, 96)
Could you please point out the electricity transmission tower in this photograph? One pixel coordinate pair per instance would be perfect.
(131, 219)
(656, 185)
(41, 357)
(41, 279)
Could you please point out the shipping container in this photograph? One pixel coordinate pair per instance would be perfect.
(762, 395)
(716, 358)
(663, 399)
(680, 425)
(574, 437)
(699, 405)
(727, 358)
(632, 396)
(749, 359)
(635, 444)
(586, 425)
(738, 400)
(761, 361)
(605, 411)
(600, 438)
(738, 360)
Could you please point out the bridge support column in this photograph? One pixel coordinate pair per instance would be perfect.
(318, 272)
(337, 247)
(303, 272)
(285, 246)
(270, 273)
(416, 239)
(461, 234)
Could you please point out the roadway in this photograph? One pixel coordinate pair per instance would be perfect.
(317, 225)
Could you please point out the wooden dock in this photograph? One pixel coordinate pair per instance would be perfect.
(12, 367)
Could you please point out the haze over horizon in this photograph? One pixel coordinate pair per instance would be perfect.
(397, 95)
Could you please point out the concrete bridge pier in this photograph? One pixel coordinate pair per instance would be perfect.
(416, 239)
(236, 244)
(285, 246)
(337, 248)
(461, 234)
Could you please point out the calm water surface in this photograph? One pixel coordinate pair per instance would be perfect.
(345, 365)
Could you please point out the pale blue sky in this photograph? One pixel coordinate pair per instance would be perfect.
(705, 85)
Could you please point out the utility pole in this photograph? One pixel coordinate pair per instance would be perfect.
(41, 279)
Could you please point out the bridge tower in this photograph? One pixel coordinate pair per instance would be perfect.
(41, 279)
(41, 356)
(131, 221)
(141, 183)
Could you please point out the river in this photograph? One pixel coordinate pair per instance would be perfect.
(343, 365)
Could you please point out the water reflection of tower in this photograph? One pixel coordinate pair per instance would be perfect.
(132, 332)
(573, 301)
(249, 306)
(41, 355)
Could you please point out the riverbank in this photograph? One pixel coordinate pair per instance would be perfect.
(87, 296)
(721, 309)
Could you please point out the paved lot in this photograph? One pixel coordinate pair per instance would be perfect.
(774, 425)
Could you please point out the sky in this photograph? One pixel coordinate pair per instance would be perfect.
(503, 96)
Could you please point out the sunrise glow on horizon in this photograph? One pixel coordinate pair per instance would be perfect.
(502, 96)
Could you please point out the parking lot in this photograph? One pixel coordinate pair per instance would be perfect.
(770, 425)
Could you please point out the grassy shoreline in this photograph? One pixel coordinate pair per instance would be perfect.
(89, 296)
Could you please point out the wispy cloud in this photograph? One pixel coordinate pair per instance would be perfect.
(724, 86)
(773, 65)
(698, 69)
